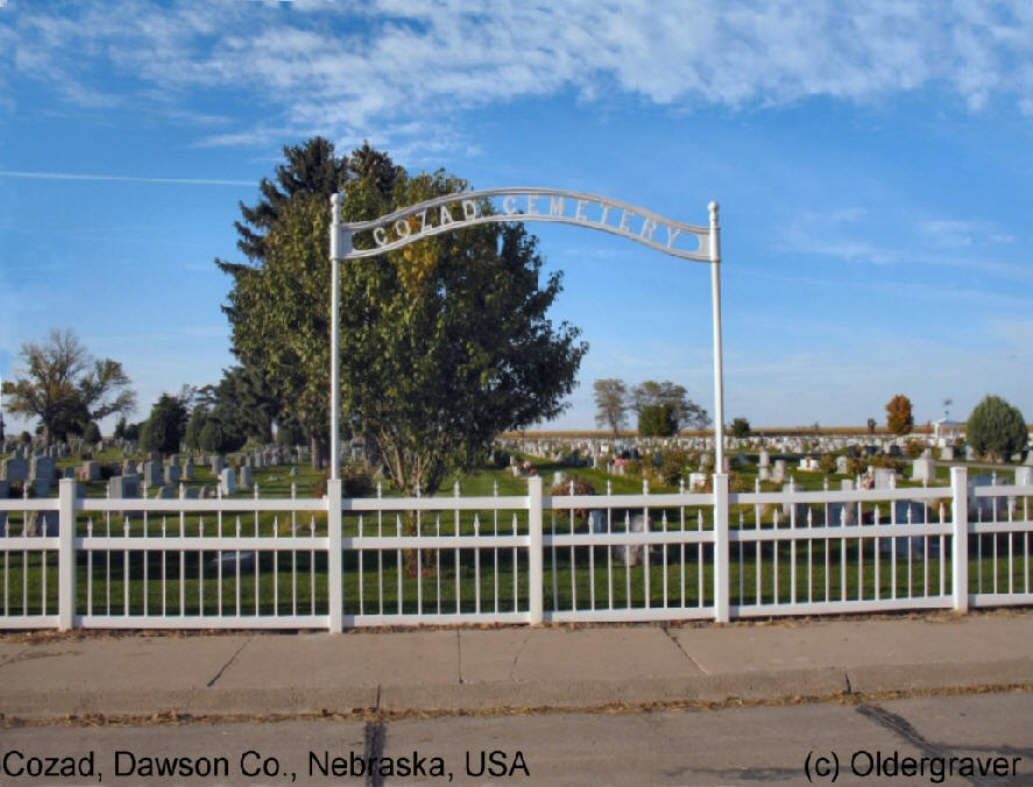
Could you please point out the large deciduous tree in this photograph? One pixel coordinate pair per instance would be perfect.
(444, 343)
(683, 412)
(63, 386)
(611, 403)
(899, 419)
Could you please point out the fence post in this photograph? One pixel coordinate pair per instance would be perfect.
(334, 572)
(959, 555)
(535, 565)
(66, 554)
(722, 578)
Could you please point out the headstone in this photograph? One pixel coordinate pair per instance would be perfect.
(191, 493)
(228, 481)
(1029, 458)
(166, 492)
(842, 512)
(947, 453)
(631, 554)
(779, 473)
(188, 470)
(842, 463)
(153, 474)
(121, 486)
(172, 474)
(218, 462)
(69, 472)
(15, 469)
(42, 469)
(970, 454)
(697, 481)
(90, 471)
(923, 470)
(765, 458)
(4, 491)
(846, 484)
(706, 461)
(884, 477)
(764, 473)
(1024, 476)
(129, 467)
(246, 480)
(558, 477)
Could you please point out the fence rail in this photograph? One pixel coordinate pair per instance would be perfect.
(332, 562)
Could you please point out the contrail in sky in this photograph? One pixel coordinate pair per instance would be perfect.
(10, 173)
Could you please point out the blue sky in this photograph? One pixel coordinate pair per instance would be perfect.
(873, 162)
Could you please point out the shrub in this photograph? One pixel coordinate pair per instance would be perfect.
(675, 464)
(91, 434)
(740, 428)
(356, 481)
(899, 419)
(581, 487)
(657, 420)
(996, 428)
(827, 463)
(914, 447)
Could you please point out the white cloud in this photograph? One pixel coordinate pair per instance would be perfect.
(351, 69)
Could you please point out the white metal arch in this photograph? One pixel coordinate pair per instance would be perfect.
(465, 209)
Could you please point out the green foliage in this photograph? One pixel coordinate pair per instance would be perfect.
(684, 413)
(63, 386)
(611, 403)
(827, 463)
(91, 434)
(120, 428)
(899, 419)
(196, 422)
(444, 343)
(657, 420)
(144, 440)
(996, 428)
(740, 428)
(166, 425)
(219, 437)
(677, 463)
(133, 432)
(290, 432)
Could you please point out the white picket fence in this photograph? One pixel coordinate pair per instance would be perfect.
(333, 563)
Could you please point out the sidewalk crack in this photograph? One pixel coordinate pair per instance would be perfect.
(685, 653)
(226, 666)
(516, 656)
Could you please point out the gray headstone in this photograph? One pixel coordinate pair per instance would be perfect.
(1024, 476)
(884, 477)
(172, 474)
(778, 475)
(947, 453)
(90, 471)
(923, 470)
(228, 481)
(188, 470)
(153, 474)
(15, 469)
(765, 458)
(129, 467)
(218, 463)
(841, 465)
(42, 469)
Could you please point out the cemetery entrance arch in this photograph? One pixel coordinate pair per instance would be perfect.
(465, 209)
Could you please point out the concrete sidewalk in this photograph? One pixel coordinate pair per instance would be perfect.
(456, 670)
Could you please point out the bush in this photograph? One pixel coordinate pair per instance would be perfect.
(740, 428)
(581, 487)
(356, 481)
(996, 428)
(216, 436)
(657, 420)
(91, 434)
(899, 419)
(914, 448)
(827, 463)
(676, 464)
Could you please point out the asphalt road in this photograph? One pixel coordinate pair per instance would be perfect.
(941, 738)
